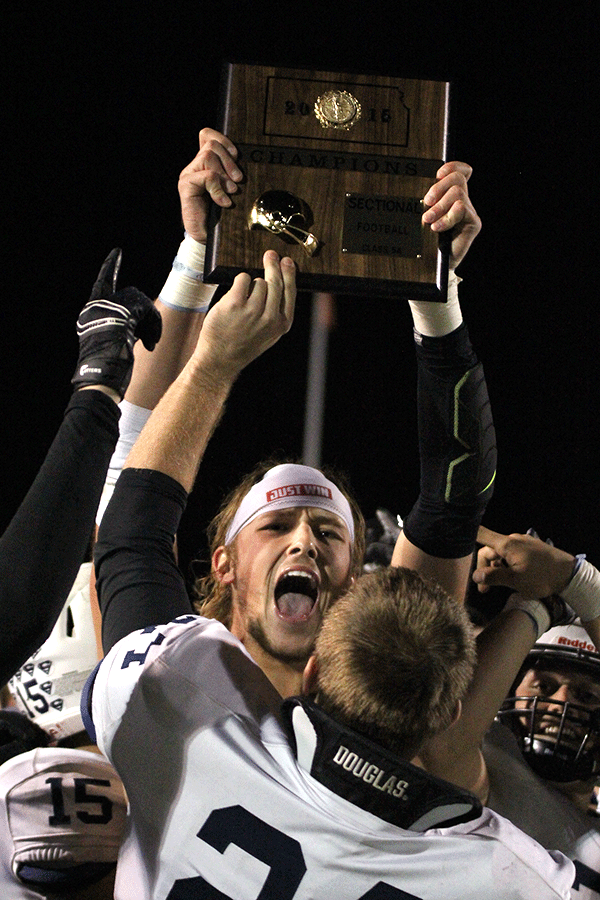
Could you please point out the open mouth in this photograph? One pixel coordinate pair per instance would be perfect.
(296, 594)
(551, 734)
(571, 734)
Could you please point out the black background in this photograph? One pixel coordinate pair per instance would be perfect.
(103, 107)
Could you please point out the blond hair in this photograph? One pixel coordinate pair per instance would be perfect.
(212, 598)
(395, 655)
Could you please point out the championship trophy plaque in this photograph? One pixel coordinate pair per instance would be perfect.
(335, 168)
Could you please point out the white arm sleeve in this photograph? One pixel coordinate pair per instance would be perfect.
(133, 418)
(437, 319)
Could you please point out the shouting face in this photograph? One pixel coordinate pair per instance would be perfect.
(285, 568)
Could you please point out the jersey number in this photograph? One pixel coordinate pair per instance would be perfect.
(283, 855)
(59, 816)
(36, 700)
(586, 877)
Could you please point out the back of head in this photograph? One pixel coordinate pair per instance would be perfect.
(395, 656)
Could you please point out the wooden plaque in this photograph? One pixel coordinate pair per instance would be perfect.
(336, 168)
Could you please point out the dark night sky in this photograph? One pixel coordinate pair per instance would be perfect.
(103, 109)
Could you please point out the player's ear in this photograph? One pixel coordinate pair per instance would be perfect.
(457, 712)
(222, 565)
(310, 676)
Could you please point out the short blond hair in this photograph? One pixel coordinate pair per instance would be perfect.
(212, 598)
(395, 655)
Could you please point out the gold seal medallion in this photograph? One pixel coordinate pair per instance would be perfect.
(337, 109)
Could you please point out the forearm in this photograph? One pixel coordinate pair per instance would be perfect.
(154, 372)
(582, 592)
(176, 435)
(248, 320)
(138, 581)
(182, 303)
(501, 650)
(457, 447)
(44, 545)
(455, 754)
(457, 451)
(452, 574)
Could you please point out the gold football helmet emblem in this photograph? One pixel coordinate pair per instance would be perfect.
(285, 215)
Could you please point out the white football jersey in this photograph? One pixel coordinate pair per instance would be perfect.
(541, 810)
(230, 800)
(60, 809)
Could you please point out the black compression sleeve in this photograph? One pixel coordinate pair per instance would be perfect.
(457, 445)
(44, 545)
(138, 580)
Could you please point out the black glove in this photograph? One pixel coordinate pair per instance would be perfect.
(108, 327)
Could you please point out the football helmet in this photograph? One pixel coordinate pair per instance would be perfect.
(380, 539)
(47, 688)
(561, 743)
(285, 215)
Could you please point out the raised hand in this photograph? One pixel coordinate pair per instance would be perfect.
(521, 562)
(249, 318)
(451, 209)
(213, 174)
(108, 327)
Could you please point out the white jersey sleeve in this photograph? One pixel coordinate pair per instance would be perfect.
(515, 844)
(116, 678)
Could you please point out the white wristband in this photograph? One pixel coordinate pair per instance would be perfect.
(583, 591)
(133, 418)
(184, 288)
(535, 609)
(437, 319)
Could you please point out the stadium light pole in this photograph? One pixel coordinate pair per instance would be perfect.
(321, 322)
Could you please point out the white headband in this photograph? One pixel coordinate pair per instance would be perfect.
(290, 485)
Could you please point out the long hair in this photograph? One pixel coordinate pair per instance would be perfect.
(213, 599)
(395, 655)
